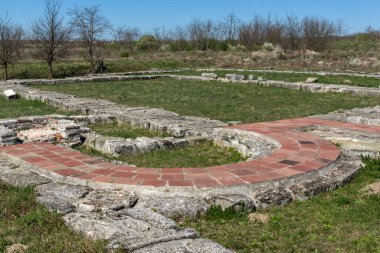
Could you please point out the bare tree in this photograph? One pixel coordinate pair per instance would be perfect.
(49, 35)
(180, 36)
(293, 31)
(10, 42)
(126, 36)
(90, 25)
(316, 32)
(230, 27)
(201, 32)
(340, 27)
(161, 36)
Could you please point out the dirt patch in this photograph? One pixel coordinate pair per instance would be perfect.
(372, 189)
(16, 248)
(259, 218)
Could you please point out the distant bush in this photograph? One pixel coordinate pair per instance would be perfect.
(125, 54)
(355, 45)
(267, 46)
(147, 43)
(238, 47)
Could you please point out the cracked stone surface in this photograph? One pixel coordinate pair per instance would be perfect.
(185, 246)
(176, 206)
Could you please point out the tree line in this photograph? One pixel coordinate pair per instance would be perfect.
(50, 36)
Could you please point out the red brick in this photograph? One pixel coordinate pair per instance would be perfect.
(171, 170)
(178, 176)
(194, 170)
(103, 171)
(153, 182)
(124, 174)
(147, 176)
(128, 181)
(34, 159)
(67, 172)
(205, 182)
(103, 179)
(242, 172)
(231, 181)
(72, 163)
(86, 176)
(180, 183)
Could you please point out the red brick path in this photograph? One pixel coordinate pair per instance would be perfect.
(300, 152)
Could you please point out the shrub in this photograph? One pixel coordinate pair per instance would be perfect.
(147, 43)
(267, 46)
(125, 54)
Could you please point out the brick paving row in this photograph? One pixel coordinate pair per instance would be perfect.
(300, 152)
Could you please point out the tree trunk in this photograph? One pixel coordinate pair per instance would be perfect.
(93, 67)
(50, 70)
(5, 71)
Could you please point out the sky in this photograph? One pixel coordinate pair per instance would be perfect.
(150, 14)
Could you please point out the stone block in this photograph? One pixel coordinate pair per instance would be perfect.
(10, 94)
(234, 77)
(210, 75)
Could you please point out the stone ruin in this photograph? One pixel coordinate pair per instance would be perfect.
(73, 131)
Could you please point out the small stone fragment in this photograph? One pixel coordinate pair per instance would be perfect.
(312, 80)
(261, 79)
(10, 94)
(347, 81)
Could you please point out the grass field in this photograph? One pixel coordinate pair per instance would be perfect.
(22, 107)
(79, 68)
(344, 220)
(203, 154)
(223, 101)
(116, 129)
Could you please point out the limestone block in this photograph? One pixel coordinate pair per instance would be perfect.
(10, 94)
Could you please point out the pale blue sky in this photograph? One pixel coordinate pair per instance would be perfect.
(148, 14)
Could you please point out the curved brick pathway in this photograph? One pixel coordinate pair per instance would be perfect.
(300, 153)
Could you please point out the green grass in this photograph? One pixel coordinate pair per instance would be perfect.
(204, 154)
(21, 107)
(116, 129)
(344, 220)
(80, 68)
(223, 101)
(299, 77)
(23, 220)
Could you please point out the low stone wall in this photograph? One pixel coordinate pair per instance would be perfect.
(249, 144)
(54, 128)
(120, 146)
(366, 116)
(319, 73)
(50, 128)
(7, 136)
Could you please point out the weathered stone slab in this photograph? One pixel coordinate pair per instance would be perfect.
(209, 75)
(235, 77)
(175, 206)
(19, 177)
(185, 246)
(10, 94)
